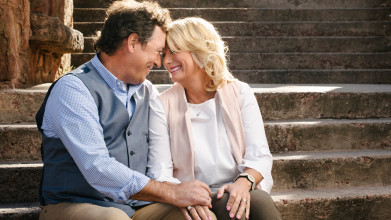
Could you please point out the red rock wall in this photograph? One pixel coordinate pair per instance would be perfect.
(47, 66)
(14, 42)
(22, 62)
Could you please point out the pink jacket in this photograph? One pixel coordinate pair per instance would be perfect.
(175, 105)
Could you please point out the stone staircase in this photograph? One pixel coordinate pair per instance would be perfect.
(321, 72)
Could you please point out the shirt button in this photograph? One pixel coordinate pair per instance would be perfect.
(129, 133)
(132, 153)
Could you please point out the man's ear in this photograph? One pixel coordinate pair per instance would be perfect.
(132, 41)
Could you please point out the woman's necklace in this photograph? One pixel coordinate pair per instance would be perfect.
(194, 101)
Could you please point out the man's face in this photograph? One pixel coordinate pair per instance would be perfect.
(145, 57)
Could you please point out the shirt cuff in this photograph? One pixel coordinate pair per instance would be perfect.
(135, 185)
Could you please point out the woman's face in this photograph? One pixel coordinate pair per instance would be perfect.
(181, 66)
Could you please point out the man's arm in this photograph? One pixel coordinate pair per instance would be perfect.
(180, 195)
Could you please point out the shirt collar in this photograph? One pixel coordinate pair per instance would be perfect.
(110, 79)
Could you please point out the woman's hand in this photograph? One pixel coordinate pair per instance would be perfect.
(197, 212)
(239, 197)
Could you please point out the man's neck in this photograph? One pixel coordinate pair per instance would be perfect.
(112, 64)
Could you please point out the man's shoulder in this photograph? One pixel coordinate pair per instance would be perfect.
(82, 69)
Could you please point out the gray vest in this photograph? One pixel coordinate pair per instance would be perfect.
(126, 141)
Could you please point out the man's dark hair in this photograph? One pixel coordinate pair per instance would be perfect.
(126, 17)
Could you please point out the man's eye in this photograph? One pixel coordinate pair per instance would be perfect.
(162, 54)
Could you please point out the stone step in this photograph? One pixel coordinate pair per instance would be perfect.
(356, 202)
(277, 101)
(280, 101)
(286, 4)
(21, 105)
(320, 28)
(308, 170)
(299, 61)
(20, 182)
(15, 148)
(327, 134)
(305, 170)
(295, 44)
(347, 203)
(297, 76)
(255, 14)
(19, 211)
(283, 136)
(250, 61)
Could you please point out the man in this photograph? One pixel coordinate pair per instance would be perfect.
(94, 123)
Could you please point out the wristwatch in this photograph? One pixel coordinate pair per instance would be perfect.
(249, 178)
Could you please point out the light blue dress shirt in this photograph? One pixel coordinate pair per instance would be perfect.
(72, 115)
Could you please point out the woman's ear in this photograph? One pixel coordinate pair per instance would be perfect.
(132, 41)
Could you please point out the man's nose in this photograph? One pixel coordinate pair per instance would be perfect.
(158, 61)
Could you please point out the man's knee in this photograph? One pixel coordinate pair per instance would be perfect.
(81, 211)
(113, 213)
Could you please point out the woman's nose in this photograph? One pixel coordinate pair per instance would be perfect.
(167, 59)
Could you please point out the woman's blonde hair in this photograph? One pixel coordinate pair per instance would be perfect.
(209, 52)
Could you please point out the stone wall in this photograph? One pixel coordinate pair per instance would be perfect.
(14, 42)
(37, 37)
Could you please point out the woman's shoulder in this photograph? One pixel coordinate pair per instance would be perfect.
(172, 92)
(239, 85)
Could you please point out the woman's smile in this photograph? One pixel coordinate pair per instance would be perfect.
(175, 68)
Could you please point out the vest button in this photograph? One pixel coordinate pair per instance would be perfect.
(129, 133)
(132, 153)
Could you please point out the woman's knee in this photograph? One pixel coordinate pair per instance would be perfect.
(263, 206)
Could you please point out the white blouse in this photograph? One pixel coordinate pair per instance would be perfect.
(214, 161)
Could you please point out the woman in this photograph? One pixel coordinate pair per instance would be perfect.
(208, 127)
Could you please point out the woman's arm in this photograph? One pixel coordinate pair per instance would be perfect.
(257, 160)
(160, 165)
(257, 154)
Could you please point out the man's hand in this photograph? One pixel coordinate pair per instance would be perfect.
(192, 193)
